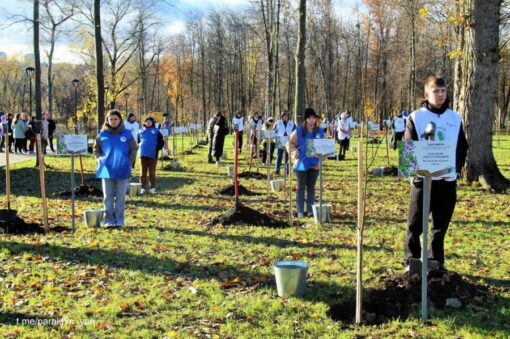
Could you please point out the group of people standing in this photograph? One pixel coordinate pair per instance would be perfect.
(21, 131)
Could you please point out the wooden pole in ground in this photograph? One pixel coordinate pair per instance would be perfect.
(7, 169)
(361, 217)
(236, 162)
(42, 181)
(290, 191)
(268, 154)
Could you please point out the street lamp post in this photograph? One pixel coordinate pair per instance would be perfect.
(141, 110)
(29, 72)
(75, 83)
(126, 96)
(106, 97)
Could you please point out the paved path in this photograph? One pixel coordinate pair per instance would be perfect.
(14, 158)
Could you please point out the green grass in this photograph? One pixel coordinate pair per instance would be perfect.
(167, 274)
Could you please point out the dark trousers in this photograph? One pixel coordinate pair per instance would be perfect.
(209, 155)
(147, 164)
(443, 197)
(50, 139)
(20, 145)
(397, 136)
(344, 146)
(240, 140)
(264, 152)
(306, 180)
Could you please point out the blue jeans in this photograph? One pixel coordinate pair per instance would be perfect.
(279, 156)
(306, 179)
(114, 193)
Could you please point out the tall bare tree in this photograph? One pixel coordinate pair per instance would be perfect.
(98, 43)
(56, 14)
(299, 97)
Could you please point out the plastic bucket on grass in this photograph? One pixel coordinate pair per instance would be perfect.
(93, 218)
(326, 212)
(230, 170)
(290, 277)
(277, 185)
(134, 188)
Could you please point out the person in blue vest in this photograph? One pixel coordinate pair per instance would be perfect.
(151, 142)
(115, 151)
(305, 167)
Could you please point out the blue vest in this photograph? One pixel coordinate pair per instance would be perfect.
(114, 161)
(148, 143)
(304, 163)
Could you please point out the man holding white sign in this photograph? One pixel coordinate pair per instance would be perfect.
(434, 122)
(284, 127)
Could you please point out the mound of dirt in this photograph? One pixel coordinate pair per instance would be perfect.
(174, 166)
(230, 190)
(244, 215)
(401, 295)
(252, 175)
(83, 191)
(19, 226)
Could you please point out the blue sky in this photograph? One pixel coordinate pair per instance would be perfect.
(17, 39)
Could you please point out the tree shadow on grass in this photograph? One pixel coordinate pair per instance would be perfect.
(270, 241)
(232, 279)
(25, 181)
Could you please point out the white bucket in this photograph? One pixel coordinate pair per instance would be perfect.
(230, 170)
(176, 166)
(277, 185)
(93, 218)
(326, 212)
(290, 276)
(134, 188)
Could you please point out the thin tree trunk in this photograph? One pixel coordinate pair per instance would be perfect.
(37, 61)
(99, 64)
(299, 97)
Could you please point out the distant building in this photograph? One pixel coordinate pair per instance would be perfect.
(3, 56)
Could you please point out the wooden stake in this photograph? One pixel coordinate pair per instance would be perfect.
(361, 207)
(268, 154)
(42, 181)
(7, 170)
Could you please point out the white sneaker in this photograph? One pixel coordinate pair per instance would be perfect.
(152, 191)
(142, 191)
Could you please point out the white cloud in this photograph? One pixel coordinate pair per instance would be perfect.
(175, 27)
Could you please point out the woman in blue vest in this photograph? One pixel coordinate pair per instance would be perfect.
(115, 151)
(305, 167)
(151, 142)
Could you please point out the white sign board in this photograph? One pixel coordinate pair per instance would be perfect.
(76, 144)
(425, 155)
(374, 127)
(316, 147)
(180, 130)
(195, 126)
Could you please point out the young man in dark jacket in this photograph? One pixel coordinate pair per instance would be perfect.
(443, 195)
